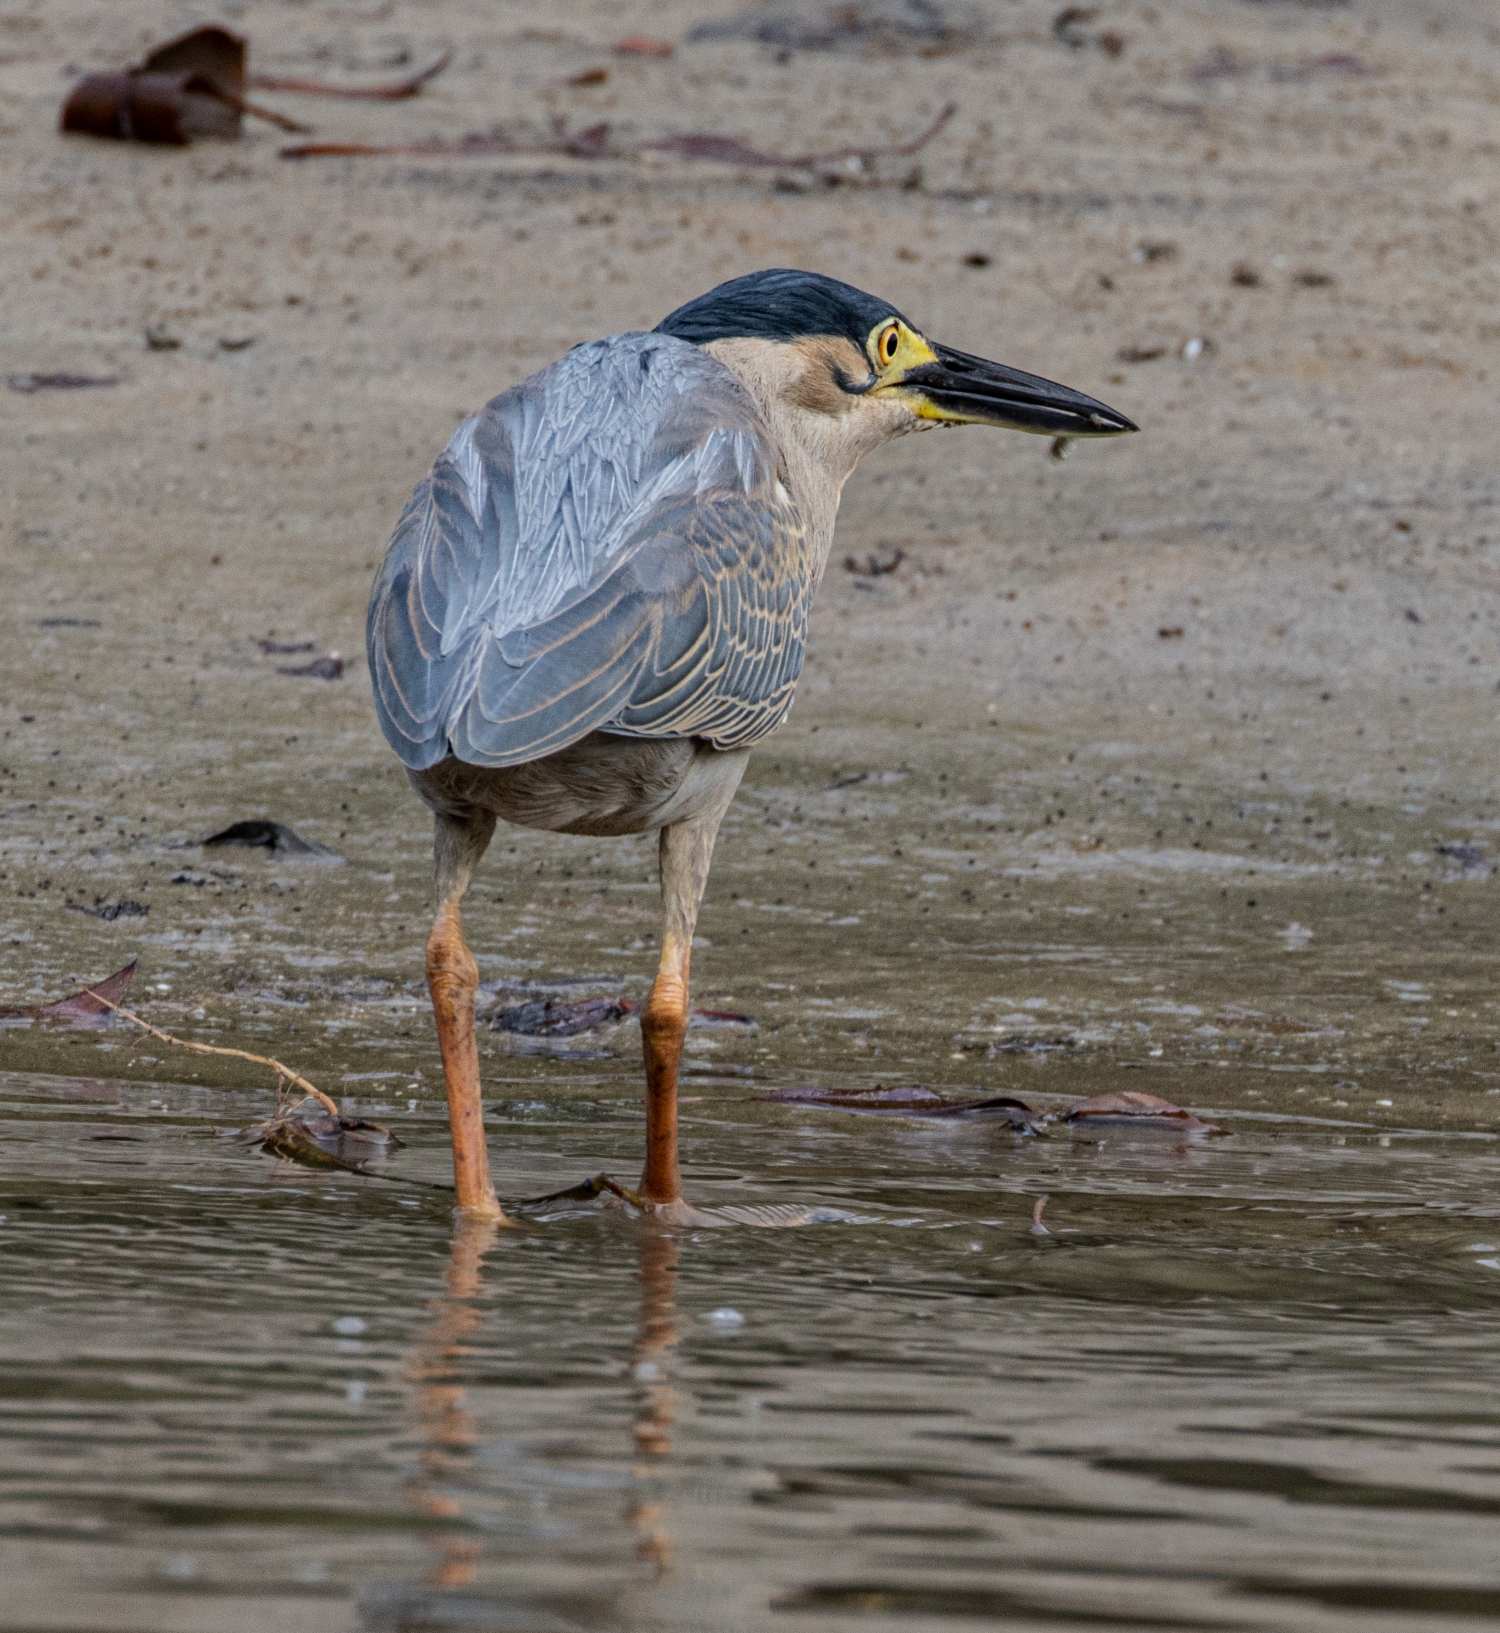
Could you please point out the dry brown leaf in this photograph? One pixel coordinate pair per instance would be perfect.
(192, 86)
(88, 1009)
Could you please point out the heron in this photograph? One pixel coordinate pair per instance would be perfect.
(596, 603)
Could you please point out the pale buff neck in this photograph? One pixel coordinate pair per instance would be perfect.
(821, 432)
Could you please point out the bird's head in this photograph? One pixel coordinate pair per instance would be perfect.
(827, 348)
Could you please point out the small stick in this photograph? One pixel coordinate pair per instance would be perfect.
(390, 91)
(588, 1188)
(1037, 1227)
(240, 105)
(593, 143)
(730, 150)
(283, 1073)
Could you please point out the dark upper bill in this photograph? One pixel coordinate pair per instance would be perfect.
(972, 391)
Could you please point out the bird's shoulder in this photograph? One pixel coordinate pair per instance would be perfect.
(606, 545)
(553, 482)
(616, 411)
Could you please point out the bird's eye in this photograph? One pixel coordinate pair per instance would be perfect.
(888, 345)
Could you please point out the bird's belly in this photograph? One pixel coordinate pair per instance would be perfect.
(602, 785)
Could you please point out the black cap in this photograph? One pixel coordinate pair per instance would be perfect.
(780, 304)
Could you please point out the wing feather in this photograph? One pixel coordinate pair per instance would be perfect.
(605, 547)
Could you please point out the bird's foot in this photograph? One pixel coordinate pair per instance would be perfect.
(679, 1211)
(484, 1210)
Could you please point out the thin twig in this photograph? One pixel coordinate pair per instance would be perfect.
(588, 1188)
(594, 143)
(390, 91)
(283, 1073)
(240, 105)
(730, 150)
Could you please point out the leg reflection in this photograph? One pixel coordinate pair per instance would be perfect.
(446, 1425)
(656, 1399)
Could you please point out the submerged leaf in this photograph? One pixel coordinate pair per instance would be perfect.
(594, 143)
(609, 1193)
(1128, 1108)
(908, 1100)
(110, 911)
(924, 27)
(327, 668)
(559, 1018)
(720, 1017)
(642, 45)
(551, 1016)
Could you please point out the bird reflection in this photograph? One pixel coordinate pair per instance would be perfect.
(656, 1399)
(449, 1434)
(446, 1426)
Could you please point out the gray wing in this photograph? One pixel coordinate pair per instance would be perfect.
(604, 547)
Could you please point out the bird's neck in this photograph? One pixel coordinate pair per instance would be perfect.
(818, 448)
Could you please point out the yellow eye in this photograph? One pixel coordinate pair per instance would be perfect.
(888, 345)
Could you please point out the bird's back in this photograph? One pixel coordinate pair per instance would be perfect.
(605, 546)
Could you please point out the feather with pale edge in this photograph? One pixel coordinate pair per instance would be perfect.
(603, 547)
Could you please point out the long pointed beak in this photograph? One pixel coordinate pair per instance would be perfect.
(971, 391)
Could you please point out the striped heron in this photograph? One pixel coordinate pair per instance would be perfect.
(595, 605)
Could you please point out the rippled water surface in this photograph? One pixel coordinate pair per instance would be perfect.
(1246, 1383)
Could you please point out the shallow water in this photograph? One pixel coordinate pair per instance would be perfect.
(1242, 1383)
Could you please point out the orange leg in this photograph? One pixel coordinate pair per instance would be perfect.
(687, 849)
(453, 980)
(664, 1024)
